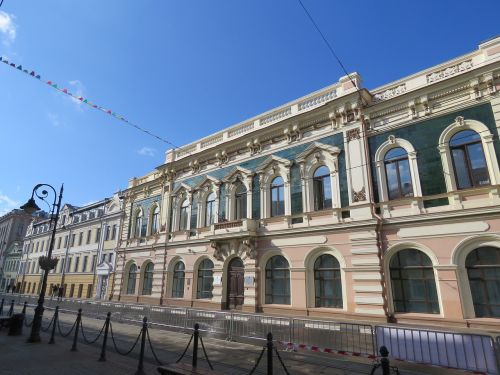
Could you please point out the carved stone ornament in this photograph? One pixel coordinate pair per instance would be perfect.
(392, 139)
(390, 93)
(243, 248)
(459, 121)
(222, 157)
(359, 196)
(449, 71)
(293, 134)
(353, 134)
(255, 147)
(195, 166)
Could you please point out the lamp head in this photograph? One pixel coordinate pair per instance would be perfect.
(30, 207)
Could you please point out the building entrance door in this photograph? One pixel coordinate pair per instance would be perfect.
(235, 281)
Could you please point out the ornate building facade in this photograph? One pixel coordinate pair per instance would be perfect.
(348, 203)
(85, 244)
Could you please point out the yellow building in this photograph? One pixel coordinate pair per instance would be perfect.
(85, 244)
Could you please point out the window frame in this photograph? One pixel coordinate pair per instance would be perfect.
(270, 277)
(204, 274)
(177, 280)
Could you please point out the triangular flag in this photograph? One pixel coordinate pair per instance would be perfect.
(20, 67)
(25, 71)
(109, 111)
(12, 64)
(32, 73)
(49, 82)
(5, 61)
(80, 98)
(85, 101)
(38, 76)
(1, 58)
(65, 91)
(54, 85)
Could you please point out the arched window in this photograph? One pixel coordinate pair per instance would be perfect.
(277, 281)
(205, 279)
(277, 197)
(183, 222)
(483, 270)
(240, 202)
(468, 158)
(322, 189)
(397, 173)
(178, 280)
(138, 224)
(147, 283)
(132, 276)
(155, 216)
(413, 282)
(327, 282)
(210, 210)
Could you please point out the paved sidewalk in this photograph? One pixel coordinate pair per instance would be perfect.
(19, 357)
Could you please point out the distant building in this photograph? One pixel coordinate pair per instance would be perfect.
(85, 244)
(12, 261)
(380, 205)
(13, 227)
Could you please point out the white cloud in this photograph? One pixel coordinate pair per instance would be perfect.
(78, 89)
(55, 120)
(147, 151)
(7, 204)
(7, 28)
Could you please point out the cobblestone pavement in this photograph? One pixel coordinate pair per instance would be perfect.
(19, 357)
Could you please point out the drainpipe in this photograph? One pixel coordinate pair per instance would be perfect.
(378, 227)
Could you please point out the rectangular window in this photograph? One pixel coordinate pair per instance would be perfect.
(84, 264)
(106, 235)
(113, 232)
(77, 261)
(94, 260)
(59, 242)
(73, 238)
(80, 238)
(110, 259)
(66, 241)
(60, 266)
(68, 265)
(36, 248)
(97, 235)
(89, 233)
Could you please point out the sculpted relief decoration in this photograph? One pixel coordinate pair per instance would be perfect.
(244, 248)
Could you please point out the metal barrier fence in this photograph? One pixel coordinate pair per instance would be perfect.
(458, 350)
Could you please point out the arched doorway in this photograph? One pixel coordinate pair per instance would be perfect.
(235, 284)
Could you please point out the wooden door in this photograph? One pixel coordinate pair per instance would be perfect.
(235, 284)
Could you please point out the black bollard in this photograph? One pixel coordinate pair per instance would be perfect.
(24, 307)
(195, 345)
(269, 353)
(140, 368)
(384, 361)
(1, 306)
(75, 337)
(11, 310)
(53, 334)
(102, 358)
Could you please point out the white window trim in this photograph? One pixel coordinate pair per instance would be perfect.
(134, 223)
(309, 266)
(150, 221)
(459, 255)
(384, 148)
(388, 281)
(488, 149)
(262, 267)
(271, 168)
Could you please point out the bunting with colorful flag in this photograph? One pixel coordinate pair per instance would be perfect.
(63, 90)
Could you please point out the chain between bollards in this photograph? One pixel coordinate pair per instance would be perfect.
(140, 367)
(53, 334)
(75, 337)
(102, 358)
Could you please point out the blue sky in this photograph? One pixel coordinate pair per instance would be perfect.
(185, 69)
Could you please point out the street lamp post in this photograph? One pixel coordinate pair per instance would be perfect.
(46, 263)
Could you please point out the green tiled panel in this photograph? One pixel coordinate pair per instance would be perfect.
(289, 154)
(194, 212)
(256, 198)
(222, 202)
(424, 136)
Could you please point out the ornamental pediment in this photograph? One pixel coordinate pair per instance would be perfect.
(237, 173)
(271, 161)
(208, 181)
(182, 187)
(316, 147)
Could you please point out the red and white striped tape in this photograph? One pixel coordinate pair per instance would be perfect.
(313, 348)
